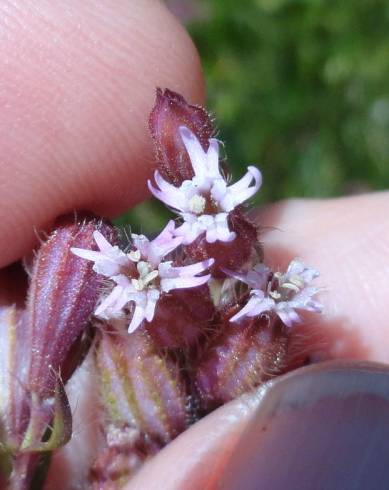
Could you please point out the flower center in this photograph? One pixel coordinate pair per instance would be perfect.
(197, 204)
(146, 278)
(281, 289)
(203, 204)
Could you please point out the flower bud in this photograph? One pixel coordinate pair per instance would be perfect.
(240, 358)
(191, 180)
(63, 294)
(140, 387)
(24, 420)
(169, 113)
(39, 345)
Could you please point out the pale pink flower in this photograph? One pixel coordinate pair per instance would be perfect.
(142, 275)
(281, 293)
(205, 201)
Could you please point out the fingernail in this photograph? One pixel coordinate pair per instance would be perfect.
(319, 428)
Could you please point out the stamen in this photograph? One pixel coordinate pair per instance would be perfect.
(289, 285)
(146, 275)
(143, 268)
(134, 255)
(150, 277)
(297, 281)
(275, 295)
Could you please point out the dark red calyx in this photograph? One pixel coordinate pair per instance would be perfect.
(239, 358)
(170, 112)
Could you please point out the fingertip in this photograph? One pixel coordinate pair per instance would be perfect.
(197, 457)
(345, 239)
(78, 83)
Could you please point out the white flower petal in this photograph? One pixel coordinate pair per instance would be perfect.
(303, 300)
(288, 315)
(309, 274)
(168, 198)
(189, 231)
(112, 306)
(298, 268)
(222, 230)
(103, 264)
(141, 243)
(152, 299)
(314, 306)
(258, 276)
(191, 270)
(137, 318)
(183, 282)
(255, 278)
(101, 241)
(163, 184)
(225, 235)
(227, 203)
(256, 305)
(211, 234)
(245, 181)
(266, 304)
(195, 151)
(163, 244)
(213, 159)
(122, 280)
(242, 190)
(87, 254)
(219, 189)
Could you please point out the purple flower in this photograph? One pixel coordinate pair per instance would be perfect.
(205, 201)
(141, 276)
(281, 293)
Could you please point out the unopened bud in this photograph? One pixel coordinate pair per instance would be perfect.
(63, 294)
(141, 388)
(240, 358)
(169, 113)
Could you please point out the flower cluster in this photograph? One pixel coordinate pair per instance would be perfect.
(180, 323)
(204, 204)
(194, 300)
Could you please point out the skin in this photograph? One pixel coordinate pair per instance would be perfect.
(77, 86)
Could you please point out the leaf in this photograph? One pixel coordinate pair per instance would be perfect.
(5, 466)
(41, 436)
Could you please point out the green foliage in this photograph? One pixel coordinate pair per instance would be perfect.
(300, 88)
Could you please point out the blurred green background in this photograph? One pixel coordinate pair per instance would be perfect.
(300, 88)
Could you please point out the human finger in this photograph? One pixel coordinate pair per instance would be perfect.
(78, 83)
